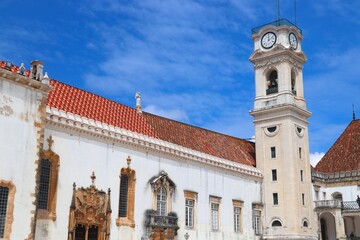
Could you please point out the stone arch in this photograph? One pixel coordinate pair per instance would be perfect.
(271, 81)
(327, 226)
(276, 222)
(337, 196)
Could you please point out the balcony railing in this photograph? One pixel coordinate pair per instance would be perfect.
(328, 204)
(345, 206)
(352, 206)
(158, 221)
(277, 23)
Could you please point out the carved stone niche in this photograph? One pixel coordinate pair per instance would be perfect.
(90, 213)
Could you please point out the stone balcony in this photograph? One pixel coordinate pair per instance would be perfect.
(158, 221)
(348, 206)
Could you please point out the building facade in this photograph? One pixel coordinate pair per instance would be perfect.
(75, 165)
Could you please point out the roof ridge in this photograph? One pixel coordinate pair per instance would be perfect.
(201, 128)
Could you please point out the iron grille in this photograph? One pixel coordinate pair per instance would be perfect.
(44, 184)
(4, 193)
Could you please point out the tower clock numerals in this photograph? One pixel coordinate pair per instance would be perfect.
(293, 40)
(268, 40)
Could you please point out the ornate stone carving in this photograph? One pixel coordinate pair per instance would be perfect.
(277, 60)
(90, 207)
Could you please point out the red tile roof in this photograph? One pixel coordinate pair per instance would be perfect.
(203, 140)
(85, 104)
(13, 68)
(344, 155)
(91, 106)
(70, 99)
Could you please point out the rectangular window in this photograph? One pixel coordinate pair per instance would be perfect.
(275, 199)
(256, 222)
(189, 213)
(299, 152)
(324, 195)
(273, 152)
(303, 199)
(4, 194)
(237, 217)
(44, 185)
(316, 195)
(214, 216)
(124, 186)
(274, 175)
(301, 176)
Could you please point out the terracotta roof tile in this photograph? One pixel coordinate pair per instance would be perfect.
(91, 106)
(344, 155)
(203, 140)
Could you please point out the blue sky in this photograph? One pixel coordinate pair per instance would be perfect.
(189, 59)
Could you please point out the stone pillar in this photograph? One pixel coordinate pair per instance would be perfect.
(340, 225)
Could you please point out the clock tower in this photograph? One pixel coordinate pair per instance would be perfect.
(281, 132)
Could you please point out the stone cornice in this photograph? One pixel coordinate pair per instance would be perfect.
(350, 177)
(280, 54)
(265, 113)
(25, 81)
(55, 116)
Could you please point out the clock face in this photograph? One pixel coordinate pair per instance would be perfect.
(293, 40)
(268, 40)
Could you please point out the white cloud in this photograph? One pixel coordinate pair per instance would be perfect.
(315, 158)
(174, 114)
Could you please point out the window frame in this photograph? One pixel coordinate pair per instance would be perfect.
(190, 196)
(273, 152)
(130, 201)
(256, 220)
(303, 199)
(276, 199)
(161, 201)
(274, 175)
(215, 213)
(9, 216)
(237, 216)
(54, 159)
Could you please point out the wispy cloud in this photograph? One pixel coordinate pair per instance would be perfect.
(315, 158)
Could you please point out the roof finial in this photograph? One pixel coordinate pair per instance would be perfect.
(50, 142)
(93, 177)
(138, 102)
(354, 116)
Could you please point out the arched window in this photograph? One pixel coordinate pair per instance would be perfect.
(161, 201)
(272, 82)
(276, 223)
(337, 196)
(305, 224)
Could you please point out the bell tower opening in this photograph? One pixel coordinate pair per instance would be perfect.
(272, 82)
